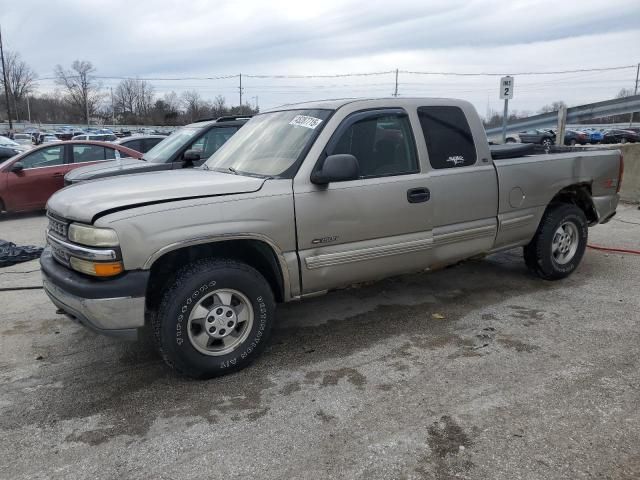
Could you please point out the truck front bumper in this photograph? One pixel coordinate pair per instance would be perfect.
(113, 307)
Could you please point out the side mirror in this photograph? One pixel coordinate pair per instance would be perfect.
(191, 155)
(17, 167)
(336, 168)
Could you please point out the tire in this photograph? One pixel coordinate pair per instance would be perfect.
(213, 286)
(510, 140)
(623, 140)
(547, 142)
(572, 142)
(539, 253)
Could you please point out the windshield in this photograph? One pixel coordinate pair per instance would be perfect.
(7, 142)
(164, 150)
(269, 144)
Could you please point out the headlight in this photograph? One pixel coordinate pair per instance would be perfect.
(93, 236)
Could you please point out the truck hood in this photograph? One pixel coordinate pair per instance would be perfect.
(83, 201)
(113, 167)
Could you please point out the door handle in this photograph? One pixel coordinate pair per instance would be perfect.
(58, 175)
(418, 195)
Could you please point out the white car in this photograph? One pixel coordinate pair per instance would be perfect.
(50, 139)
(23, 139)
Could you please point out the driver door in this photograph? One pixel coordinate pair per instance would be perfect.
(372, 227)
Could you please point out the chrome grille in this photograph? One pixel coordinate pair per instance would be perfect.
(58, 227)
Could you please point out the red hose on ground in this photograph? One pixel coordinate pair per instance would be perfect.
(615, 250)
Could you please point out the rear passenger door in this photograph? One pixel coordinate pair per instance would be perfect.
(464, 185)
(372, 227)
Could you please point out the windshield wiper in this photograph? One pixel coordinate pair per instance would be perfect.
(233, 170)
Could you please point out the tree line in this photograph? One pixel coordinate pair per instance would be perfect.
(80, 97)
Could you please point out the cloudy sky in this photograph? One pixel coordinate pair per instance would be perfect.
(198, 38)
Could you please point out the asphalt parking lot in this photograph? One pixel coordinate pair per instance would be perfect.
(478, 371)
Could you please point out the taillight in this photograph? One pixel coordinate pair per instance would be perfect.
(621, 173)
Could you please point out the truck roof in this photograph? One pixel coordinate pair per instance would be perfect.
(334, 104)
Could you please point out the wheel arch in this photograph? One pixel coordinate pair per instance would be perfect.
(578, 194)
(255, 251)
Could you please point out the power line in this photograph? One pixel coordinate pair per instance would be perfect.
(358, 74)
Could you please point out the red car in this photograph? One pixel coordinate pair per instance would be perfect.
(30, 178)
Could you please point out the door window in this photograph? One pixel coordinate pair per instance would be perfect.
(88, 153)
(211, 141)
(448, 136)
(134, 145)
(383, 145)
(149, 143)
(45, 157)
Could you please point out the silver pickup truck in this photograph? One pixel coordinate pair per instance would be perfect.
(305, 199)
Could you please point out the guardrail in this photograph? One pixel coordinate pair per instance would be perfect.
(577, 114)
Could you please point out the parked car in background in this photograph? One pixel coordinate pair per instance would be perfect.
(23, 138)
(49, 139)
(28, 180)
(634, 129)
(539, 136)
(98, 137)
(9, 148)
(576, 137)
(141, 143)
(620, 136)
(595, 136)
(187, 147)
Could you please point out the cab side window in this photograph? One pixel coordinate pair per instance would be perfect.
(45, 157)
(383, 145)
(448, 136)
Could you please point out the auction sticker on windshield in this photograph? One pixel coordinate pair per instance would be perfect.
(305, 121)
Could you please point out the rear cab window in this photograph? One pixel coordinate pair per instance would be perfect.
(448, 136)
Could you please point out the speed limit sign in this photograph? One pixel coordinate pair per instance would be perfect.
(506, 87)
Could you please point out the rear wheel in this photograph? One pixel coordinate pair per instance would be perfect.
(572, 142)
(214, 319)
(623, 140)
(547, 142)
(559, 244)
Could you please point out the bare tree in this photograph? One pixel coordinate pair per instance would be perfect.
(193, 104)
(20, 78)
(624, 92)
(219, 107)
(554, 107)
(134, 99)
(81, 87)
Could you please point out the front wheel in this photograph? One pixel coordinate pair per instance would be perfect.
(214, 319)
(559, 244)
(547, 142)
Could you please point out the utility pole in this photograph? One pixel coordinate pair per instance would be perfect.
(240, 90)
(113, 110)
(562, 125)
(395, 92)
(6, 83)
(635, 92)
(28, 109)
